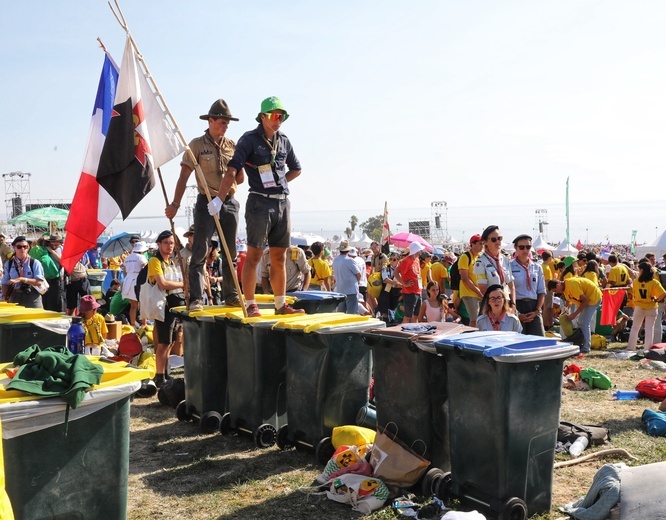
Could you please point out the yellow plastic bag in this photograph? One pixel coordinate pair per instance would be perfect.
(598, 342)
(375, 284)
(352, 436)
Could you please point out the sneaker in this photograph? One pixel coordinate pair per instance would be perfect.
(232, 302)
(288, 309)
(253, 311)
(195, 305)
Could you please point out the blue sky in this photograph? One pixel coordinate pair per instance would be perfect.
(478, 103)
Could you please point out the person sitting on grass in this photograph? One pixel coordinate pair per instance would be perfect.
(93, 323)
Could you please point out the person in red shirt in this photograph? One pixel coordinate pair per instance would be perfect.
(408, 273)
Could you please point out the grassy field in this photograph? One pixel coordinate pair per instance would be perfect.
(176, 472)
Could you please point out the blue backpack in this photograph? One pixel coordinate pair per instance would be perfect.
(655, 423)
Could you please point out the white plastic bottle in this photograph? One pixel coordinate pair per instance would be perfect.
(578, 446)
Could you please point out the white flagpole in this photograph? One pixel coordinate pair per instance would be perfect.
(202, 180)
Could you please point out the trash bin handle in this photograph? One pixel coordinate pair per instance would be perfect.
(459, 352)
(411, 344)
(425, 446)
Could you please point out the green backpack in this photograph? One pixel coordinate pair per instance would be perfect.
(595, 379)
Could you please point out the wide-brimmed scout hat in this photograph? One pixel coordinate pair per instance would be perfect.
(87, 303)
(219, 109)
(269, 104)
(344, 246)
(54, 238)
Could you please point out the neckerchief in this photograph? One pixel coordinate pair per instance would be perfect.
(496, 322)
(527, 273)
(500, 271)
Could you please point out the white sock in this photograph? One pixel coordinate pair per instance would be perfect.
(250, 302)
(279, 302)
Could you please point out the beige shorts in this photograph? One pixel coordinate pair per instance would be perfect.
(472, 306)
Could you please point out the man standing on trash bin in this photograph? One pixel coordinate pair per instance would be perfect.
(270, 162)
(213, 152)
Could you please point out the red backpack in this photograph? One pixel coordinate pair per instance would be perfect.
(653, 388)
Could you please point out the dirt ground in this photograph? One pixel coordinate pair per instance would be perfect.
(177, 472)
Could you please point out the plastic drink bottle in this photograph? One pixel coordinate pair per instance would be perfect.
(76, 336)
(626, 395)
(578, 446)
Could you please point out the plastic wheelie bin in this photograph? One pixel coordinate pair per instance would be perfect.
(96, 278)
(205, 353)
(75, 465)
(504, 406)
(257, 390)
(329, 369)
(316, 302)
(410, 390)
(21, 328)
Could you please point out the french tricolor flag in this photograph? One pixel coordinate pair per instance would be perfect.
(130, 137)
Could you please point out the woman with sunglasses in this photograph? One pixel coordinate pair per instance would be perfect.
(493, 267)
(530, 287)
(22, 277)
(435, 308)
(496, 313)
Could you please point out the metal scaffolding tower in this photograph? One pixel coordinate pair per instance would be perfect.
(17, 192)
(541, 223)
(439, 226)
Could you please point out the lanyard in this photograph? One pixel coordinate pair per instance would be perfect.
(273, 146)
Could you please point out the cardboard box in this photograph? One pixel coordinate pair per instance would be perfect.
(115, 330)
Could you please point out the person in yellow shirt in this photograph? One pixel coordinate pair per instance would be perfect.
(93, 323)
(619, 275)
(548, 268)
(469, 291)
(646, 293)
(586, 296)
(321, 271)
(438, 273)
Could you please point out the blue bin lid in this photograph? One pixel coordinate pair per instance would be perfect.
(510, 347)
(317, 295)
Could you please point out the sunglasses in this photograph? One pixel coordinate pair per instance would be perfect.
(522, 248)
(273, 116)
(496, 239)
(22, 247)
(496, 298)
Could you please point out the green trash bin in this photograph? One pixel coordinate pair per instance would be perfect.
(329, 369)
(205, 366)
(505, 391)
(74, 471)
(257, 384)
(21, 328)
(410, 390)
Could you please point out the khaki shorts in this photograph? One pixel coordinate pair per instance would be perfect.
(472, 306)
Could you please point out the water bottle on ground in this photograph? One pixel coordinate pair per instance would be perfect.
(626, 395)
(578, 446)
(76, 336)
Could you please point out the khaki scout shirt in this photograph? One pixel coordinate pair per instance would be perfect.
(213, 160)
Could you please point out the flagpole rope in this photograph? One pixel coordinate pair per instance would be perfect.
(200, 175)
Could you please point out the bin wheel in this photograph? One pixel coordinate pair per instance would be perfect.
(225, 423)
(181, 411)
(162, 398)
(513, 509)
(324, 451)
(442, 486)
(282, 438)
(265, 436)
(210, 422)
(431, 481)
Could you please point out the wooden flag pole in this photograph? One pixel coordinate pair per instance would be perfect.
(200, 176)
(179, 245)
